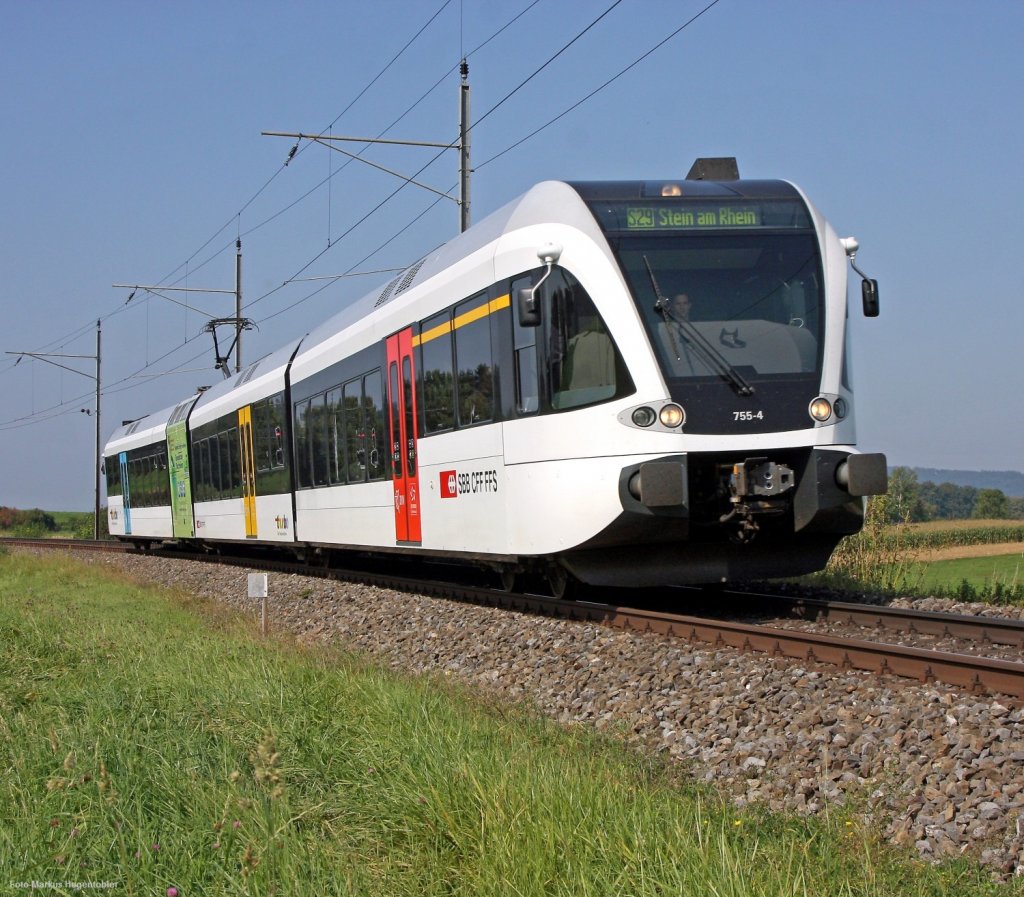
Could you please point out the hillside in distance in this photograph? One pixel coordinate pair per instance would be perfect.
(1009, 482)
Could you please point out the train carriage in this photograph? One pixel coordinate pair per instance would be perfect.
(239, 444)
(140, 483)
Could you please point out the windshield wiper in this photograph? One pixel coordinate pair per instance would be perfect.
(704, 350)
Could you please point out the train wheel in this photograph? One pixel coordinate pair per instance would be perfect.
(562, 583)
(510, 580)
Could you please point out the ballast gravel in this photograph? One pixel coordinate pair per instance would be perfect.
(939, 770)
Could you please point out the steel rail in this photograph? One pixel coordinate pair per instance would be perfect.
(996, 630)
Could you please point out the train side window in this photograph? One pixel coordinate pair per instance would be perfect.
(475, 384)
(275, 426)
(410, 420)
(373, 425)
(214, 443)
(437, 368)
(395, 405)
(316, 426)
(235, 449)
(335, 438)
(355, 437)
(165, 478)
(225, 455)
(303, 468)
(261, 435)
(525, 348)
(112, 469)
(136, 477)
(583, 362)
(208, 477)
(201, 461)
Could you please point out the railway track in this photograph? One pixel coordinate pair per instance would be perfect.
(973, 672)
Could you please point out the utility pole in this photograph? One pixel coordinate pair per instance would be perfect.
(47, 357)
(462, 145)
(464, 169)
(96, 465)
(238, 305)
(238, 322)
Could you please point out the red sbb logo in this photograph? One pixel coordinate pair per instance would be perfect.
(449, 484)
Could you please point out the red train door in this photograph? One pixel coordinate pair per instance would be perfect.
(402, 427)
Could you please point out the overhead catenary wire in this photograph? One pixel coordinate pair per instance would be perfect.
(597, 90)
(127, 382)
(236, 217)
(120, 309)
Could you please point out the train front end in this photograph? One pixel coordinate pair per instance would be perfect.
(740, 288)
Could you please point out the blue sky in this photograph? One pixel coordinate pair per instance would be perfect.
(130, 152)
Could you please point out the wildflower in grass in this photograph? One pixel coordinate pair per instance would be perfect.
(738, 822)
(105, 784)
(54, 823)
(266, 764)
(216, 845)
(172, 892)
(237, 824)
(249, 861)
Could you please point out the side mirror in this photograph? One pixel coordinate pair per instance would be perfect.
(869, 297)
(528, 306)
(868, 287)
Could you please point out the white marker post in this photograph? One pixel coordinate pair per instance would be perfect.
(258, 589)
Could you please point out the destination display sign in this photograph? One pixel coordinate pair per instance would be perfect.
(649, 217)
(700, 215)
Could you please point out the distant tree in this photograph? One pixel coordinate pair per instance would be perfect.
(904, 497)
(1016, 508)
(27, 523)
(947, 501)
(991, 504)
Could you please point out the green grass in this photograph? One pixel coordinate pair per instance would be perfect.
(153, 741)
(975, 578)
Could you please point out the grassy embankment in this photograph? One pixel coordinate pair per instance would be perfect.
(153, 741)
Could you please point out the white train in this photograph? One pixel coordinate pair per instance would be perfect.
(622, 383)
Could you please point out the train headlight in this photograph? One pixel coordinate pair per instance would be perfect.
(821, 409)
(644, 416)
(672, 416)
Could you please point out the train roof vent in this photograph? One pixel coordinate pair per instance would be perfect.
(246, 375)
(409, 276)
(179, 411)
(722, 168)
(387, 291)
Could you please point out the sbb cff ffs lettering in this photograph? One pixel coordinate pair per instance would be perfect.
(454, 484)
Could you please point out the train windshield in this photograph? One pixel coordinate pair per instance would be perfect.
(741, 302)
